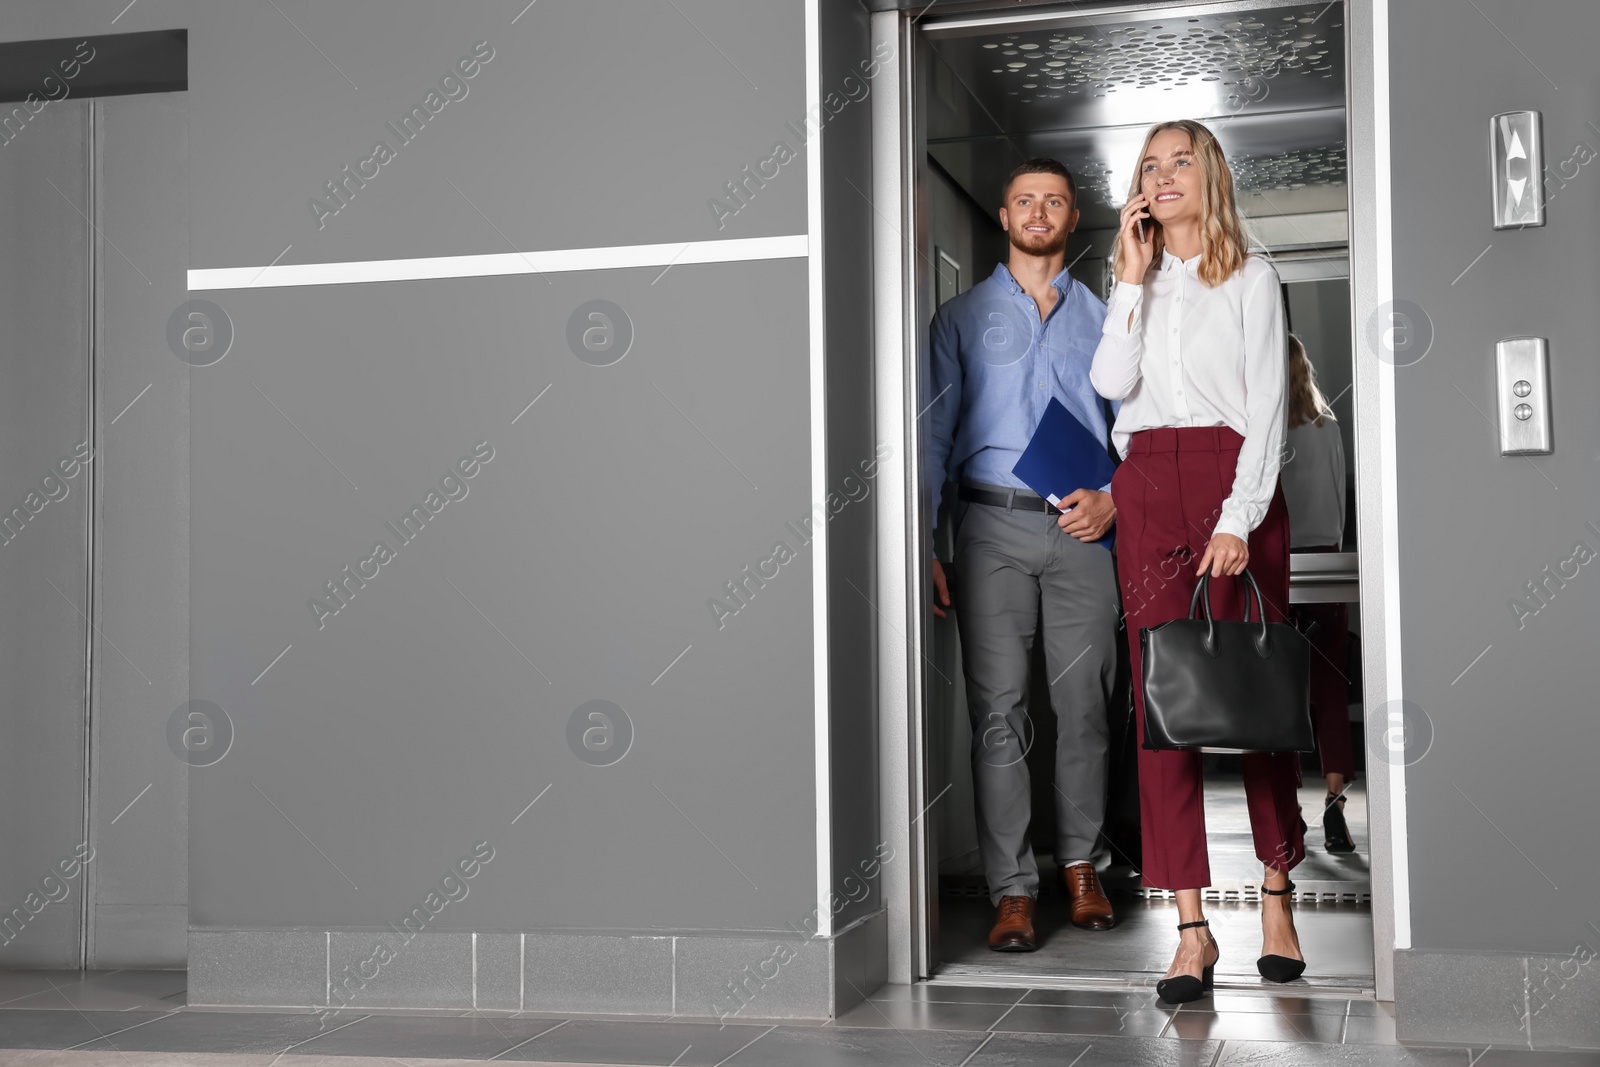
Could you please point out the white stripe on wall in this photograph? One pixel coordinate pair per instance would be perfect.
(791, 246)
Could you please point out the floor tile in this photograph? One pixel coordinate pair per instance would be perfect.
(50, 1058)
(1309, 1054)
(1256, 1026)
(195, 1031)
(292, 1060)
(415, 1036)
(15, 985)
(948, 994)
(1094, 1022)
(684, 1044)
(560, 1016)
(1042, 1050)
(104, 991)
(1370, 1030)
(1280, 1005)
(745, 1021)
(260, 1009)
(1517, 1058)
(1094, 998)
(925, 1016)
(855, 1046)
(28, 1028)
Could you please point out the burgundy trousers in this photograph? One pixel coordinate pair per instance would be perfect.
(1169, 493)
(1330, 686)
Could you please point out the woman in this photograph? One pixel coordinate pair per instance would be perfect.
(1193, 346)
(1313, 488)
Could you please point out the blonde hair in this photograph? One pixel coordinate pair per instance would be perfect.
(1223, 242)
(1306, 402)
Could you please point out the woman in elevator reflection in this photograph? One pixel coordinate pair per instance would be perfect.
(1194, 347)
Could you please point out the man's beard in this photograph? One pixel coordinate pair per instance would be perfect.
(1040, 244)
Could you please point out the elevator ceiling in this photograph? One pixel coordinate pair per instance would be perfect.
(1269, 81)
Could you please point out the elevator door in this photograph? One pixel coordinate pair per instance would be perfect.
(93, 533)
(45, 334)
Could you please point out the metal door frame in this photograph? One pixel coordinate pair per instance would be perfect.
(900, 285)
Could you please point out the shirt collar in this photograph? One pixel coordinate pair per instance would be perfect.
(1171, 264)
(1002, 274)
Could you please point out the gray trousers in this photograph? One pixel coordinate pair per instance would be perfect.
(1014, 569)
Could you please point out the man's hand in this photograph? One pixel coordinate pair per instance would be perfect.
(1225, 554)
(1091, 516)
(939, 587)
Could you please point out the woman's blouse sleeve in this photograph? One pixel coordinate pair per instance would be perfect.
(1266, 369)
(1115, 369)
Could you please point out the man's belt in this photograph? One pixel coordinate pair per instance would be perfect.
(1011, 499)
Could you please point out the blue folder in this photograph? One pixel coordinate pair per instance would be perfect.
(1064, 456)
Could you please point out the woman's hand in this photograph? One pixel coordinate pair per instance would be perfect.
(1136, 254)
(1225, 554)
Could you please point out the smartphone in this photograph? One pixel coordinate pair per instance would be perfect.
(1138, 227)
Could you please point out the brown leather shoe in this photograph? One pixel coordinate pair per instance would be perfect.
(1013, 925)
(1090, 908)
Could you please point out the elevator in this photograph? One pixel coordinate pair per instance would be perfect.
(985, 90)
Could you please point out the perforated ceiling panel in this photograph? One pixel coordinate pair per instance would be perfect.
(1239, 53)
(1270, 82)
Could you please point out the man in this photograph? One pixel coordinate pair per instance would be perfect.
(999, 352)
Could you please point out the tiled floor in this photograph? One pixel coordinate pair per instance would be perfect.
(1335, 937)
(139, 1019)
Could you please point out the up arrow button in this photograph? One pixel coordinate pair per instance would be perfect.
(1517, 166)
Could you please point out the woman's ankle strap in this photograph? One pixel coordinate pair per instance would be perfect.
(1285, 891)
(1191, 926)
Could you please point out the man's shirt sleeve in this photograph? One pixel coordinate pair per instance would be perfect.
(944, 380)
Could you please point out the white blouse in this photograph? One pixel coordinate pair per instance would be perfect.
(1201, 356)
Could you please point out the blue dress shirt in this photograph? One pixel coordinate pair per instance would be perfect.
(994, 368)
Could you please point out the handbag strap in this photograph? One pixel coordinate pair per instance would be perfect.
(1252, 587)
(1201, 597)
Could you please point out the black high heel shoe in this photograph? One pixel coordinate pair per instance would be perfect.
(1183, 988)
(1335, 831)
(1280, 968)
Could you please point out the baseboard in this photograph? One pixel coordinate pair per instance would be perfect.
(781, 976)
(1508, 1000)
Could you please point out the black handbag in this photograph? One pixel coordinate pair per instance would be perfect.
(1226, 686)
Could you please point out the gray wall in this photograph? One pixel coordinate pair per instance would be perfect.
(436, 706)
(426, 715)
(1500, 810)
